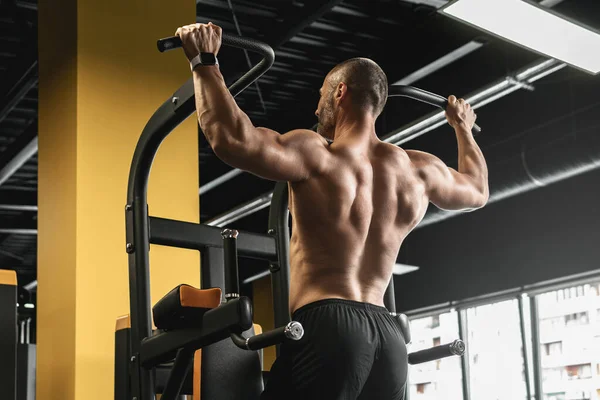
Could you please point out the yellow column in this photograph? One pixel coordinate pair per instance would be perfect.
(263, 315)
(101, 78)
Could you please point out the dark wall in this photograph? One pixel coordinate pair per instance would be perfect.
(544, 234)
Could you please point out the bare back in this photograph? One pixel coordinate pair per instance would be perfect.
(350, 221)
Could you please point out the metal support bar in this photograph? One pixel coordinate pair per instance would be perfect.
(179, 372)
(19, 152)
(303, 22)
(242, 210)
(189, 235)
(524, 346)
(12, 199)
(280, 270)
(218, 181)
(463, 330)
(20, 87)
(440, 63)
(535, 350)
(20, 227)
(213, 269)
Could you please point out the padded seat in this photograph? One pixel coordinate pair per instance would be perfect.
(184, 306)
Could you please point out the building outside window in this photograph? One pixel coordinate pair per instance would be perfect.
(440, 379)
(570, 351)
(496, 365)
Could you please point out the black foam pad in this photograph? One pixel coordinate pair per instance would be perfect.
(230, 373)
(184, 306)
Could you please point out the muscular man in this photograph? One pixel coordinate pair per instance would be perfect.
(353, 202)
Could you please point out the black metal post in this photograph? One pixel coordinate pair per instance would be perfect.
(232, 279)
(524, 347)
(389, 299)
(535, 350)
(122, 359)
(280, 271)
(464, 360)
(213, 269)
(179, 372)
(8, 334)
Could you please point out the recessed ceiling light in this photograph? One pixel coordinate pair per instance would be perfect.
(529, 25)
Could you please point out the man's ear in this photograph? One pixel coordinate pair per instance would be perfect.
(340, 91)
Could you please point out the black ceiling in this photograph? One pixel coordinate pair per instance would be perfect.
(309, 38)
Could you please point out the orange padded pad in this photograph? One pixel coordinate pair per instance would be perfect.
(197, 388)
(202, 298)
(8, 277)
(184, 307)
(124, 322)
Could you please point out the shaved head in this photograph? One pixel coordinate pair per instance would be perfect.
(362, 82)
(366, 81)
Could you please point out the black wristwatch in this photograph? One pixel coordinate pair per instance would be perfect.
(204, 59)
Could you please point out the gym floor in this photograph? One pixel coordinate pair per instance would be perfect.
(518, 280)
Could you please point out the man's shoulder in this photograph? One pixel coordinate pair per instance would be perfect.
(306, 138)
(391, 153)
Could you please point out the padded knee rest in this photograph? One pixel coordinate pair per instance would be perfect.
(184, 306)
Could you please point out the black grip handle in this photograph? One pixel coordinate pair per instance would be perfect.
(291, 331)
(253, 45)
(422, 96)
(456, 348)
(169, 43)
(232, 285)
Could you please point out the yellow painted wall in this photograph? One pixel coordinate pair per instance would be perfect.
(263, 315)
(101, 78)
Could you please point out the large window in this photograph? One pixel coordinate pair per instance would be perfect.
(496, 366)
(570, 350)
(441, 379)
(568, 327)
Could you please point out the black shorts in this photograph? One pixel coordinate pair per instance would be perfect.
(350, 350)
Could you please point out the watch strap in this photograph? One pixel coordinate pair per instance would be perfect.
(198, 61)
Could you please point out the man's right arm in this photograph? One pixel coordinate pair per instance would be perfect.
(447, 188)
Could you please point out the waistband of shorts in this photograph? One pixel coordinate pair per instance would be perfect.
(343, 302)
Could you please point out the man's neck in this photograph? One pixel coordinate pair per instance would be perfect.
(361, 129)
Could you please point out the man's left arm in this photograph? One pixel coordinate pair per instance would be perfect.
(294, 156)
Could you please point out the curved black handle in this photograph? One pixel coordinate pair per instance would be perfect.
(456, 348)
(239, 42)
(292, 331)
(170, 43)
(423, 96)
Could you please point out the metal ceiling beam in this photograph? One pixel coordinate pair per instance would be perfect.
(432, 3)
(19, 152)
(440, 63)
(18, 198)
(12, 255)
(17, 207)
(254, 205)
(522, 79)
(21, 86)
(550, 3)
(302, 22)
(19, 228)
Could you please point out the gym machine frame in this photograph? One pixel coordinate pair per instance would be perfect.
(137, 364)
(139, 353)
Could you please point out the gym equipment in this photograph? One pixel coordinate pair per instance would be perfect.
(424, 97)
(203, 339)
(8, 334)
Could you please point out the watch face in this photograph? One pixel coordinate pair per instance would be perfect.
(208, 58)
